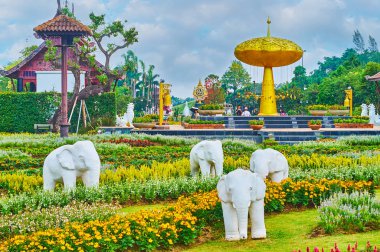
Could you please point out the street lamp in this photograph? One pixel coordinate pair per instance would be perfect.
(348, 99)
(302, 57)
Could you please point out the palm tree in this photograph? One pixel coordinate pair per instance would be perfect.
(131, 64)
(151, 83)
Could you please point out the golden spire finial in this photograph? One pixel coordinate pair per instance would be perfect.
(268, 22)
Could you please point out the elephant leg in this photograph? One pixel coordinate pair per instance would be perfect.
(277, 176)
(91, 178)
(230, 222)
(194, 168)
(256, 213)
(212, 170)
(205, 168)
(219, 169)
(49, 182)
(69, 180)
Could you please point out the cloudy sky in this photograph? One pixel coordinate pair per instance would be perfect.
(187, 40)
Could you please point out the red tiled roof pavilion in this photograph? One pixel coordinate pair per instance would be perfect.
(67, 28)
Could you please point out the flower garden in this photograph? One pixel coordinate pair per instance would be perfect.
(147, 200)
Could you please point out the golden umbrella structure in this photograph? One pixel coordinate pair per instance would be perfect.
(268, 52)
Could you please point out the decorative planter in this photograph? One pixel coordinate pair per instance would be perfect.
(256, 127)
(203, 126)
(353, 125)
(145, 125)
(211, 112)
(339, 112)
(315, 126)
(318, 112)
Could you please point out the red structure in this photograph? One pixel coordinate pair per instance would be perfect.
(25, 71)
(67, 29)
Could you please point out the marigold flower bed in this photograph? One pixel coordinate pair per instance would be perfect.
(145, 230)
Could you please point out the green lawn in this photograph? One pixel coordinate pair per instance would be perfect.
(285, 232)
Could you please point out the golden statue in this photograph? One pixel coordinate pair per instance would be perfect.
(200, 92)
(268, 52)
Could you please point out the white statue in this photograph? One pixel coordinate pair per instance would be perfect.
(69, 162)
(269, 162)
(208, 157)
(371, 113)
(377, 120)
(364, 110)
(242, 191)
(129, 115)
(186, 110)
(120, 121)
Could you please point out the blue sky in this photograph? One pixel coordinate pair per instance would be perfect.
(187, 40)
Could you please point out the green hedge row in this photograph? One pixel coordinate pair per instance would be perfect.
(20, 111)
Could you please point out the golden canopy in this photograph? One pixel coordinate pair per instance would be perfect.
(268, 52)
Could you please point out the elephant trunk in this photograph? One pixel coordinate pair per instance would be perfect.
(242, 215)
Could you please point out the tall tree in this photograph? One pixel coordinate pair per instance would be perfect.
(358, 42)
(299, 79)
(216, 94)
(115, 30)
(372, 44)
(235, 77)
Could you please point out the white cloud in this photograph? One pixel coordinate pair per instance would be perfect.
(187, 40)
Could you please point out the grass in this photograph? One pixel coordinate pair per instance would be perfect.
(285, 232)
(288, 232)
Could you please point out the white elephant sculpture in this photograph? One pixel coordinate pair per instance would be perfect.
(208, 157)
(270, 163)
(69, 162)
(242, 191)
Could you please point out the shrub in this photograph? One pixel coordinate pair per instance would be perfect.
(211, 107)
(357, 211)
(337, 107)
(205, 122)
(317, 107)
(256, 122)
(315, 122)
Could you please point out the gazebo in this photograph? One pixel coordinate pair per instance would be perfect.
(66, 29)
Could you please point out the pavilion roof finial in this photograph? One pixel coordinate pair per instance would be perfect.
(268, 22)
(59, 9)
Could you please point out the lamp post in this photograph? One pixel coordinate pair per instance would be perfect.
(348, 99)
(302, 57)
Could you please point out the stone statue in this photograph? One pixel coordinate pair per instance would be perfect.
(270, 163)
(130, 115)
(371, 113)
(242, 192)
(207, 156)
(69, 162)
(186, 110)
(364, 110)
(120, 122)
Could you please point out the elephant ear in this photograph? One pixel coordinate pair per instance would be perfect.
(276, 163)
(259, 188)
(201, 152)
(222, 189)
(65, 159)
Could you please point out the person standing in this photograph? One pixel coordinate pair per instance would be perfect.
(246, 112)
(238, 111)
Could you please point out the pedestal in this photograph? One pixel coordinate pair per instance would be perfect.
(268, 106)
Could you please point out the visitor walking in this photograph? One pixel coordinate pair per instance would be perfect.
(238, 111)
(246, 112)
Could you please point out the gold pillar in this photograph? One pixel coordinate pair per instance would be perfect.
(349, 97)
(165, 100)
(161, 111)
(268, 105)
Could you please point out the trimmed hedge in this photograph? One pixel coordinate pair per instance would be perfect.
(20, 111)
(102, 110)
